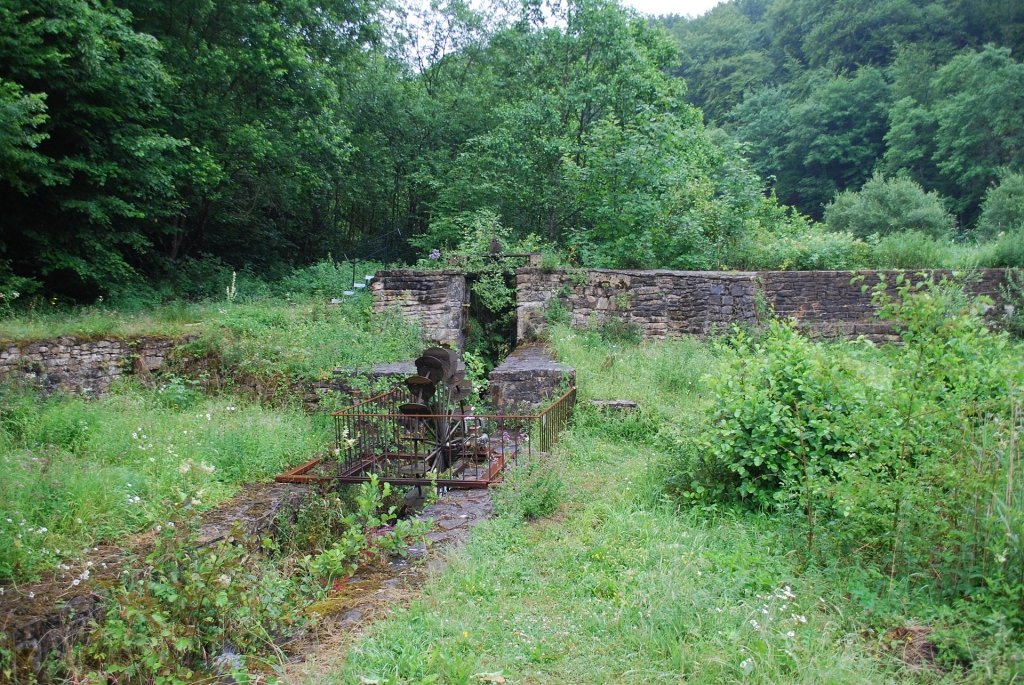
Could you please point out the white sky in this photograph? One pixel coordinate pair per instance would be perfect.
(694, 8)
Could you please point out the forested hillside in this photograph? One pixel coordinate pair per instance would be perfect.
(149, 147)
(824, 94)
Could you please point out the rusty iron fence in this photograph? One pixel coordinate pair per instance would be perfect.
(375, 438)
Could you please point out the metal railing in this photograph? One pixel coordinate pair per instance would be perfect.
(374, 438)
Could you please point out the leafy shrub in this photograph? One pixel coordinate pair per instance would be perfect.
(370, 533)
(886, 206)
(1008, 251)
(556, 313)
(809, 249)
(781, 401)
(190, 605)
(326, 279)
(899, 459)
(613, 329)
(909, 250)
(1003, 208)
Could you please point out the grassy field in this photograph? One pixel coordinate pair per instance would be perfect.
(80, 472)
(620, 585)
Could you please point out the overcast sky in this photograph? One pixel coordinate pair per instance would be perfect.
(694, 8)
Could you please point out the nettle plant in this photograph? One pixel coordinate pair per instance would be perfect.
(193, 610)
(903, 459)
(371, 534)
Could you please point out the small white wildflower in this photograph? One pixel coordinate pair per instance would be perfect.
(801, 619)
(207, 417)
(170, 524)
(159, 528)
(135, 435)
(755, 624)
(31, 595)
(791, 634)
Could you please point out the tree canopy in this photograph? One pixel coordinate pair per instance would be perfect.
(141, 138)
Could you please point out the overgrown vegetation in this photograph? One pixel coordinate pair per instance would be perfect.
(84, 472)
(778, 510)
(191, 611)
(899, 466)
(623, 584)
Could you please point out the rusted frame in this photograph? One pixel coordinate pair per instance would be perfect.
(374, 430)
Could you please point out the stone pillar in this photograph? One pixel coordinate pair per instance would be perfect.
(432, 298)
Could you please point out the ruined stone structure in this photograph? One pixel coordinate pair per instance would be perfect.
(436, 299)
(661, 303)
(71, 364)
(671, 303)
(529, 376)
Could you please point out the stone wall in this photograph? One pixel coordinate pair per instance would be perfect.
(661, 303)
(529, 376)
(433, 298)
(72, 364)
(837, 304)
(672, 303)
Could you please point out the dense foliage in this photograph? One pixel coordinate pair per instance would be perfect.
(826, 94)
(902, 462)
(144, 143)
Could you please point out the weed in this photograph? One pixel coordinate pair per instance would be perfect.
(532, 489)
(188, 607)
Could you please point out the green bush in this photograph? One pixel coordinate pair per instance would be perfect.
(910, 250)
(532, 489)
(811, 248)
(900, 460)
(886, 206)
(1003, 208)
(1008, 251)
(195, 611)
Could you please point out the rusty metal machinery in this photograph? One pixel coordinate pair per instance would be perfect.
(422, 432)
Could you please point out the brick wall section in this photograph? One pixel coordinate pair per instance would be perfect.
(819, 296)
(71, 364)
(672, 303)
(434, 298)
(662, 303)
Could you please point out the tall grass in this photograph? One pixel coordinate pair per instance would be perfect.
(80, 472)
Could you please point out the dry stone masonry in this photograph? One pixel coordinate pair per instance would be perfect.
(529, 376)
(71, 364)
(671, 303)
(435, 298)
(662, 303)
